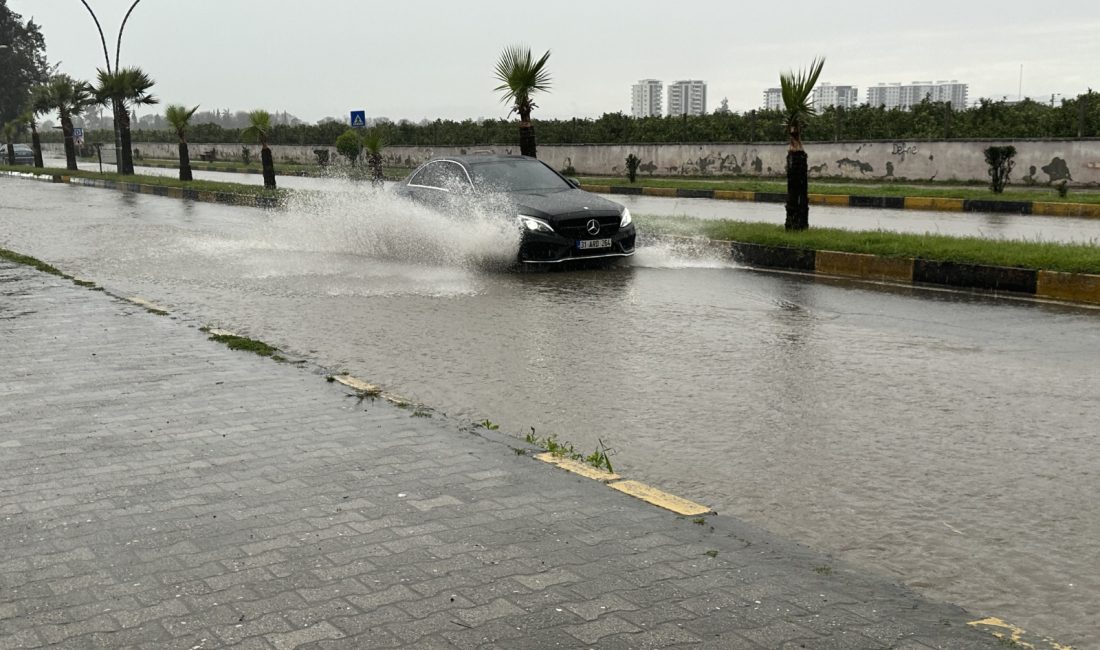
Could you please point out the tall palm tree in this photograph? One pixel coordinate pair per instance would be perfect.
(179, 117)
(521, 76)
(797, 107)
(121, 89)
(258, 128)
(68, 97)
(39, 105)
(9, 130)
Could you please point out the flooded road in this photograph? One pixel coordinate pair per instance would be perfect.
(989, 225)
(947, 440)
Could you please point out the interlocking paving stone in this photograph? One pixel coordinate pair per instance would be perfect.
(160, 490)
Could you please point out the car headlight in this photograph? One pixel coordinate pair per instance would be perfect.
(533, 224)
(626, 218)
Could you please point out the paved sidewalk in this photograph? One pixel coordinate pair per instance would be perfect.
(160, 490)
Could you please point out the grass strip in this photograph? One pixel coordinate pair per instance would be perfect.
(1050, 256)
(245, 344)
(162, 181)
(878, 188)
(27, 260)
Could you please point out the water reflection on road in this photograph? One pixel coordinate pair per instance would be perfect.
(946, 439)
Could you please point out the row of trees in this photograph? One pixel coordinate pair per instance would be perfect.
(928, 120)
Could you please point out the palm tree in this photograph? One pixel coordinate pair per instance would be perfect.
(121, 89)
(179, 117)
(521, 76)
(9, 132)
(259, 127)
(68, 97)
(797, 107)
(39, 105)
(373, 143)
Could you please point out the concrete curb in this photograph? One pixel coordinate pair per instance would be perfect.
(1049, 285)
(1086, 210)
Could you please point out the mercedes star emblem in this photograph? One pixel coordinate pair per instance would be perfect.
(593, 227)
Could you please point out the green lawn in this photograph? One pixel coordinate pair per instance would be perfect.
(1077, 258)
(878, 188)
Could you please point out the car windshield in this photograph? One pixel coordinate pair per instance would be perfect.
(516, 176)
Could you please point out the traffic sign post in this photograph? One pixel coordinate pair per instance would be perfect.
(359, 119)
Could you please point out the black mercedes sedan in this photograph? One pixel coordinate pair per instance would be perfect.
(559, 222)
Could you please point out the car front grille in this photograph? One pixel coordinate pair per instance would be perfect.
(578, 228)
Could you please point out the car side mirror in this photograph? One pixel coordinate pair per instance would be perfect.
(574, 182)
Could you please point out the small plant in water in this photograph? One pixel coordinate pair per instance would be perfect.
(699, 521)
(824, 570)
(711, 553)
(489, 424)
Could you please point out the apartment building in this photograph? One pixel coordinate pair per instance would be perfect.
(646, 98)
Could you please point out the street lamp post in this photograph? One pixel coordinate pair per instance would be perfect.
(116, 105)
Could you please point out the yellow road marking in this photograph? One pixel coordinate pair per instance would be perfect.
(142, 302)
(576, 467)
(357, 384)
(659, 498)
(1014, 633)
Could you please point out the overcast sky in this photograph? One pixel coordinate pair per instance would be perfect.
(418, 59)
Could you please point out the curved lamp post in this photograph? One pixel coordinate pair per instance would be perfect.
(115, 107)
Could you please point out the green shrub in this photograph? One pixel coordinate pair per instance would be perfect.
(1000, 161)
(632, 163)
(350, 145)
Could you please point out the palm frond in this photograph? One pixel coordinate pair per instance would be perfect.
(797, 89)
(179, 116)
(520, 76)
(127, 85)
(373, 142)
(259, 126)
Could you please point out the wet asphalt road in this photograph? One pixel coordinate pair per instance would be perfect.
(943, 438)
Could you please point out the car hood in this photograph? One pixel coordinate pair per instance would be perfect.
(563, 204)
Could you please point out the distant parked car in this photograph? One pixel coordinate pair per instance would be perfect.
(559, 222)
(24, 155)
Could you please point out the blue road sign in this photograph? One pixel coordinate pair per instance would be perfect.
(78, 135)
(358, 119)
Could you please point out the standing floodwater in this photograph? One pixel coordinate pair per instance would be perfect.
(944, 439)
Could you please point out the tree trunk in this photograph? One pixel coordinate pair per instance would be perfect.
(527, 138)
(70, 148)
(117, 109)
(185, 161)
(127, 149)
(36, 143)
(10, 153)
(374, 164)
(798, 206)
(269, 167)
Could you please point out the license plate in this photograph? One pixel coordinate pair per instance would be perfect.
(584, 244)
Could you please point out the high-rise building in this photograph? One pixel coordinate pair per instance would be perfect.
(688, 97)
(646, 98)
(827, 95)
(773, 99)
(895, 95)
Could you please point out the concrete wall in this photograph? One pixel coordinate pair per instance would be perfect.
(1037, 161)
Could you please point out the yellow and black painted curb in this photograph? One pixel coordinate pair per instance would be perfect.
(1049, 285)
(225, 198)
(1088, 210)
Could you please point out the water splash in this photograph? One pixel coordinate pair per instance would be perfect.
(681, 253)
(358, 219)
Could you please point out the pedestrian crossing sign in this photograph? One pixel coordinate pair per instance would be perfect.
(358, 119)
